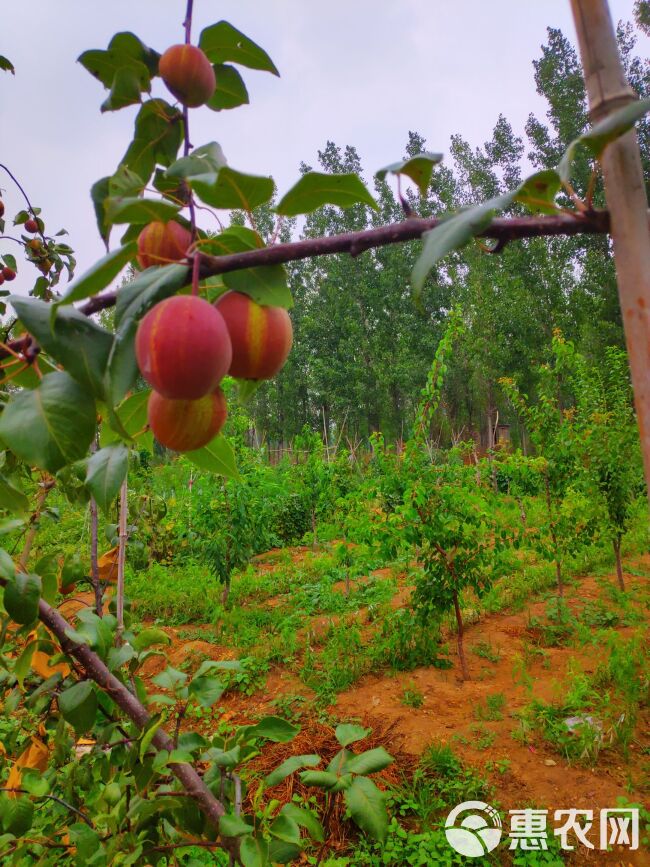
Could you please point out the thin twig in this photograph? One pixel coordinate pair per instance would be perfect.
(63, 803)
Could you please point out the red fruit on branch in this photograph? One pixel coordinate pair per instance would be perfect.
(183, 348)
(261, 336)
(2, 208)
(161, 243)
(188, 74)
(9, 273)
(31, 225)
(2, 279)
(185, 425)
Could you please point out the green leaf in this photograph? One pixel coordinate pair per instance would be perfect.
(148, 288)
(12, 498)
(605, 131)
(122, 368)
(78, 706)
(223, 758)
(18, 816)
(233, 189)
(139, 211)
(266, 284)
(322, 779)
(125, 183)
(34, 781)
(99, 192)
(22, 596)
(119, 656)
(254, 852)
(418, 168)
(369, 762)
(453, 233)
(288, 766)
(217, 457)
(157, 137)
(222, 43)
(149, 638)
(275, 729)
(132, 418)
(347, 733)
(284, 828)
(50, 426)
(170, 678)
(230, 91)
(6, 65)
(149, 733)
(281, 852)
(100, 275)
(206, 690)
(125, 69)
(9, 525)
(7, 565)
(316, 189)
(106, 471)
(247, 389)
(306, 819)
(538, 192)
(367, 806)
(234, 826)
(202, 164)
(82, 346)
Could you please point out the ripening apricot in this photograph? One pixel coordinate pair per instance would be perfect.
(185, 425)
(31, 225)
(261, 336)
(183, 347)
(188, 74)
(8, 273)
(161, 243)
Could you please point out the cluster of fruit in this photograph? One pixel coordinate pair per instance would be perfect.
(184, 348)
(5, 273)
(185, 345)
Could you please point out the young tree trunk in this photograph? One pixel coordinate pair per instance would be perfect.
(314, 539)
(627, 202)
(94, 565)
(558, 576)
(616, 542)
(46, 487)
(459, 638)
(522, 511)
(226, 592)
(556, 553)
(121, 558)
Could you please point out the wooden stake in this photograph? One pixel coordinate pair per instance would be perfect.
(608, 90)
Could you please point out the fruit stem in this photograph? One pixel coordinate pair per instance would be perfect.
(187, 24)
(196, 263)
(30, 207)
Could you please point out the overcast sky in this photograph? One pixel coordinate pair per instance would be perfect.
(359, 72)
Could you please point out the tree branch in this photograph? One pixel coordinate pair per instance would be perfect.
(212, 808)
(501, 229)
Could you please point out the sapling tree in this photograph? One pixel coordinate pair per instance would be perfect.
(607, 438)
(445, 515)
(450, 521)
(570, 517)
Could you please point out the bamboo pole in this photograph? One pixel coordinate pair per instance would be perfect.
(607, 91)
